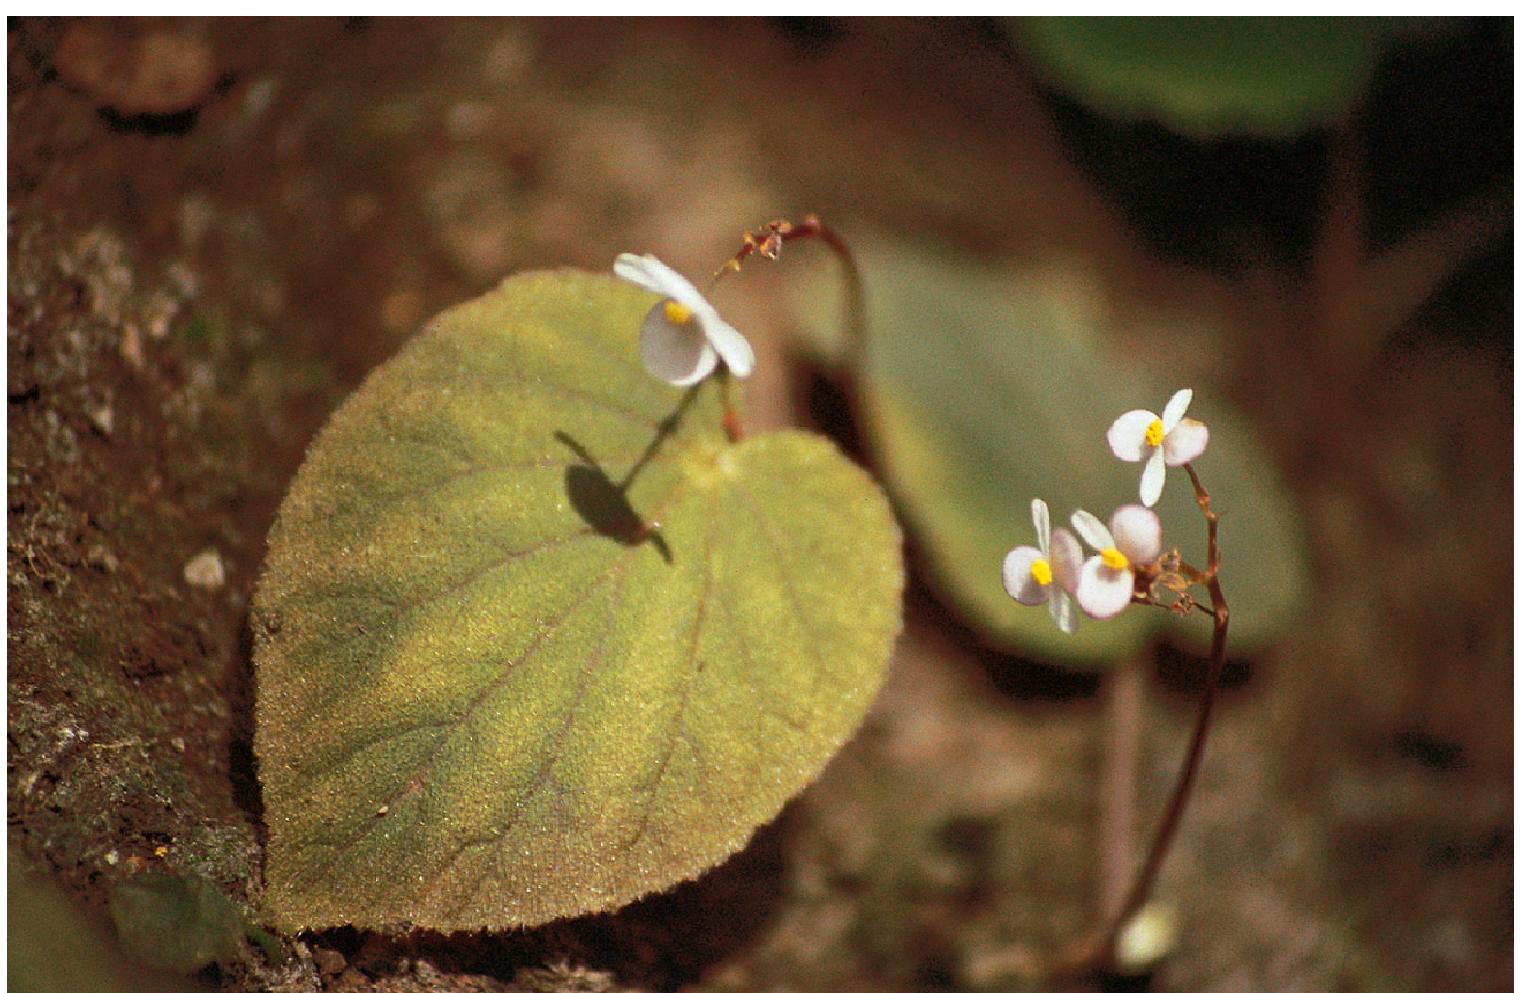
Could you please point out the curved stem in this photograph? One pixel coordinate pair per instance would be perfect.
(1101, 953)
(1124, 710)
(1166, 831)
(767, 241)
(855, 296)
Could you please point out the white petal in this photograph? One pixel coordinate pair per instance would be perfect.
(1137, 533)
(1041, 515)
(1186, 441)
(1175, 408)
(635, 269)
(1092, 530)
(730, 344)
(1062, 612)
(657, 277)
(1065, 559)
(680, 355)
(1103, 592)
(1153, 478)
(1126, 436)
(1017, 580)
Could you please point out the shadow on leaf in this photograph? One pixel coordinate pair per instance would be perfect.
(604, 504)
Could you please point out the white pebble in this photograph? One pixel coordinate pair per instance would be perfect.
(206, 570)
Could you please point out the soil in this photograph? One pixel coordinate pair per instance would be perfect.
(217, 227)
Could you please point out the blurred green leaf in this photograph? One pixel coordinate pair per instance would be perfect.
(52, 946)
(489, 695)
(1272, 76)
(179, 923)
(984, 390)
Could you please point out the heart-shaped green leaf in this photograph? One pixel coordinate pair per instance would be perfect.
(984, 390)
(1211, 75)
(511, 670)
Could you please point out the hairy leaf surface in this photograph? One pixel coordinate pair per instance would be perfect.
(535, 639)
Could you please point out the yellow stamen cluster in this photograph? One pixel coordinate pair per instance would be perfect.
(1040, 570)
(1113, 558)
(1155, 431)
(679, 314)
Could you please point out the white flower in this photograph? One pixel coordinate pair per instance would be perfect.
(1163, 441)
(1047, 574)
(1107, 580)
(683, 336)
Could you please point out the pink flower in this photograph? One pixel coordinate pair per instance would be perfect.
(1106, 581)
(1047, 574)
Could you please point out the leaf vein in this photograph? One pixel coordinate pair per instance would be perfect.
(678, 731)
(398, 609)
(476, 469)
(545, 771)
(418, 779)
(774, 544)
(619, 571)
(747, 670)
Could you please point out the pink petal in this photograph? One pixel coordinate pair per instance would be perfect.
(1185, 442)
(1065, 559)
(1153, 478)
(680, 355)
(1126, 436)
(1017, 580)
(1103, 592)
(1137, 533)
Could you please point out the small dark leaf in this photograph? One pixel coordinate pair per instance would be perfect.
(180, 923)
